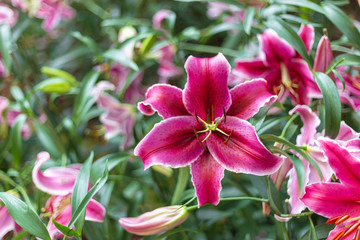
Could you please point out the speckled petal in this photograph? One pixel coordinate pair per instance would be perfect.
(171, 142)
(206, 176)
(307, 35)
(165, 99)
(206, 90)
(243, 152)
(247, 98)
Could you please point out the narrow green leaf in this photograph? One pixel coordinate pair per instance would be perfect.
(54, 85)
(342, 21)
(285, 31)
(332, 104)
(322, 231)
(147, 44)
(173, 231)
(16, 139)
(80, 190)
(17, 93)
(300, 171)
(231, 2)
(118, 56)
(65, 230)
(302, 3)
(82, 206)
(249, 17)
(181, 184)
(334, 64)
(83, 100)
(5, 46)
(273, 196)
(340, 77)
(313, 235)
(54, 72)
(89, 42)
(350, 59)
(24, 216)
(49, 139)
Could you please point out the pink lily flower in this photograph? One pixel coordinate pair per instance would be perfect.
(7, 224)
(59, 208)
(118, 118)
(157, 221)
(159, 17)
(351, 94)
(234, 14)
(286, 73)
(338, 201)
(205, 127)
(8, 15)
(53, 11)
(55, 180)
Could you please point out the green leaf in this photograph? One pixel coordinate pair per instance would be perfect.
(89, 42)
(24, 216)
(340, 77)
(322, 231)
(118, 55)
(274, 196)
(80, 190)
(5, 46)
(249, 17)
(147, 44)
(54, 72)
(313, 235)
(17, 93)
(175, 230)
(54, 85)
(181, 184)
(286, 32)
(350, 59)
(332, 104)
(65, 230)
(82, 206)
(231, 2)
(49, 139)
(300, 171)
(16, 139)
(342, 21)
(83, 100)
(302, 3)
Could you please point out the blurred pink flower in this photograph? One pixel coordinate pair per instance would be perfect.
(7, 224)
(159, 17)
(167, 69)
(59, 208)
(281, 66)
(205, 127)
(118, 118)
(8, 15)
(157, 221)
(234, 14)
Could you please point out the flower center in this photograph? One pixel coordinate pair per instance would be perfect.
(211, 127)
(351, 228)
(286, 83)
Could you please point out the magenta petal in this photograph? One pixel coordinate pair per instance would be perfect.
(345, 166)
(165, 99)
(171, 142)
(332, 199)
(206, 90)
(243, 152)
(253, 68)
(346, 133)
(275, 49)
(307, 35)
(248, 98)
(95, 212)
(310, 123)
(206, 176)
(7, 224)
(60, 183)
(324, 55)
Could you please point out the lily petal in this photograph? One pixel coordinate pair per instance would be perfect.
(206, 177)
(165, 99)
(274, 49)
(344, 164)
(307, 35)
(60, 183)
(206, 91)
(243, 152)
(324, 55)
(346, 133)
(171, 142)
(247, 98)
(310, 123)
(95, 212)
(332, 199)
(7, 224)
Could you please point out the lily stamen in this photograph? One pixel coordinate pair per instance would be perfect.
(197, 137)
(351, 229)
(229, 136)
(339, 235)
(342, 219)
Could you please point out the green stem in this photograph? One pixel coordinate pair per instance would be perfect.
(298, 214)
(183, 178)
(286, 236)
(288, 124)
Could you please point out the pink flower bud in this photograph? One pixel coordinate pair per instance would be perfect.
(157, 221)
(324, 55)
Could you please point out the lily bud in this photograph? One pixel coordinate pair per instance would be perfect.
(266, 209)
(324, 55)
(157, 221)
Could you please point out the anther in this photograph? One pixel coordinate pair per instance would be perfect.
(333, 220)
(196, 116)
(357, 235)
(338, 235)
(197, 137)
(342, 219)
(224, 114)
(228, 138)
(212, 113)
(351, 229)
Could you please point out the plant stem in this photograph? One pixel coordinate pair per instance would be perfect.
(298, 214)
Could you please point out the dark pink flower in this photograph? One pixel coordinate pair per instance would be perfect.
(204, 126)
(8, 15)
(338, 201)
(157, 221)
(286, 73)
